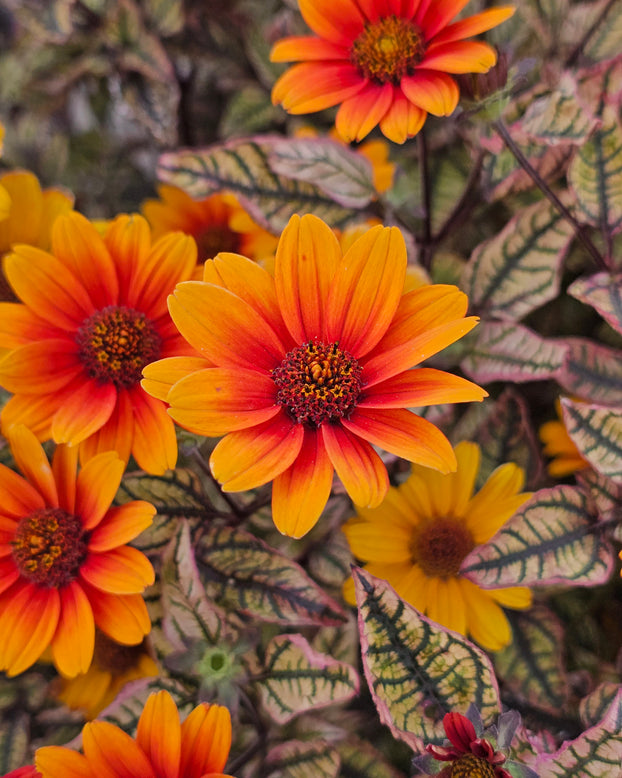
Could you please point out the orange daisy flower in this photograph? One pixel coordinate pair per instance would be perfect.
(93, 315)
(307, 371)
(197, 748)
(64, 565)
(387, 63)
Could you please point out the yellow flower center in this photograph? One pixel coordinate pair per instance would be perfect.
(214, 239)
(471, 766)
(49, 546)
(440, 546)
(388, 50)
(115, 345)
(318, 383)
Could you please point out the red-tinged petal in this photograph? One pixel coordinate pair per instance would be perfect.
(123, 570)
(474, 25)
(117, 434)
(36, 412)
(78, 245)
(45, 366)
(375, 10)
(28, 619)
(60, 762)
(19, 325)
(306, 260)
(223, 327)
(252, 457)
(121, 524)
(159, 734)
(155, 442)
(366, 290)
(32, 460)
(405, 434)
(421, 7)
(74, 640)
(461, 57)
(128, 240)
(439, 14)
(114, 753)
(83, 411)
(8, 571)
(300, 494)
(436, 93)
(459, 730)
(314, 86)
(19, 498)
(97, 484)
(360, 469)
(403, 120)
(418, 388)
(48, 287)
(302, 48)
(65, 469)
(339, 21)
(123, 617)
(358, 115)
(205, 741)
(160, 376)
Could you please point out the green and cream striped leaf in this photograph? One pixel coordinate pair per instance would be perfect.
(416, 670)
(129, 703)
(596, 753)
(603, 292)
(594, 707)
(606, 495)
(299, 759)
(592, 371)
(595, 175)
(244, 167)
(243, 573)
(359, 759)
(550, 540)
(14, 741)
(597, 432)
(505, 351)
(297, 679)
(506, 176)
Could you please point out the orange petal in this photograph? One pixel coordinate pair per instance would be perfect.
(366, 290)
(25, 196)
(403, 120)
(160, 376)
(74, 640)
(300, 494)
(97, 484)
(83, 411)
(123, 617)
(438, 14)
(19, 498)
(44, 366)
(159, 734)
(375, 10)
(117, 434)
(339, 21)
(65, 469)
(360, 469)
(358, 115)
(436, 93)
(205, 741)
(155, 442)
(121, 524)
(128, 240)
(306, 259)
(301, 48)
(474, 25)
(252, 457)
(461, 57)
(55, 202)
(314, 86)
(114, 753)
(60, 762)
(123, 570)
(19, 325)
(36, 412)
(31, 459)
(405, 434)
(420, 387)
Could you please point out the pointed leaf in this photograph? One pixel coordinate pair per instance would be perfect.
(597, 432)
(594, 707)
(244, 573)
(603, 292)
(129, 703)
(416, 670)
(359, 759)
(295, 759)
(551, 539)
(592, 371)
(14, 740)
(506, 176)
(605, 494)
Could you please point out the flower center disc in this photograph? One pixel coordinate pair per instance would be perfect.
(318, 383)
(440, 547)
(214, 239)
(115, 345)
(388, 50)
(470, 766)
(49, 546)
(114, 657)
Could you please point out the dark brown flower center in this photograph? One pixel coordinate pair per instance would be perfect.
(440, 546)
(115, 658)
(318, 383)
(115, 345)
(470, 766)
(49, 546)
(216, 238)
(388, 50)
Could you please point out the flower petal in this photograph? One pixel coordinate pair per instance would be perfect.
(496, 502)
(114, 753)
(302, 48)
(434, 92)
(65, 469)
(97, 484)
(19, 325)
(121, 524)
(123, 617)
(357, 116)
(74, 640)
(155, 443)
(43, 366)
(158, 734)
(8, 571)
(117, 434)
(301, 492)
(474, 25)
(461, 57)
(160, 376)
(420, 387)
(314, 86)
(128, 240)
(35, 412)
(19, 498)
(206, 741)
(60, 762)
(31, 459)
(123, 570)
(339, 21)
(403, 120)
(517, 597)
(83, 411)
(445, 604)
(486, 622)
(438, 14)
(379, 540)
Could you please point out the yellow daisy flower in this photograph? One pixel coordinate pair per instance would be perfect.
(418, 537)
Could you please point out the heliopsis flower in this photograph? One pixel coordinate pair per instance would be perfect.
(64, 565)
(112, 667)
(93, 315)
(416, 540)
(388, 63)
(305, 372)
(566, 458)
(196, 748)
(217, 223)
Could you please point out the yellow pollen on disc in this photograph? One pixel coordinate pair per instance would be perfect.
(471, 766)
(440, 546)
(388, 50)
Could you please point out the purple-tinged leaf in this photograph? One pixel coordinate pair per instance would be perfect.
(594, 707)
(605, 494)
(504, 351)
(298, 759)
(597, 432)
(417, 670)
(359, 759)
(601, 84)
(592, 371)
(603, 292)
(506, 176)
(551, 539)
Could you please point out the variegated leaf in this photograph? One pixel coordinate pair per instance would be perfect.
(129, 703)
(594, 707)
(359, 759)
(597, 432)
(298, 759)
(505, 351)
(605, 494)
(416, 670)
(603, 292)
(245, 574)
(605, 42)
(506, 176)
(297, 679)
(601, 83)
(596, 753)
(592, 371)
(531, 666)
(341, 642)
(551, 539)
(244, 168)
(14, 740)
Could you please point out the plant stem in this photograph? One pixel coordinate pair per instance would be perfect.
(463, 201)
(425, 241)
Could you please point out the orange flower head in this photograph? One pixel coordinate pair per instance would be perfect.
(93, 314)
(64, 565)
(387, 64)
(304, 372)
